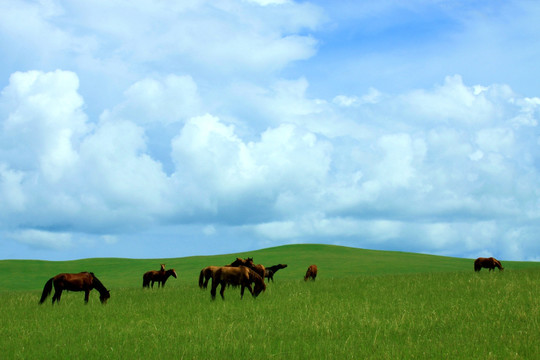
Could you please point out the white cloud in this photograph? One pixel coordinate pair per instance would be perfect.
(168, 100)
(44, 121)
(449, 186)
(43, 239)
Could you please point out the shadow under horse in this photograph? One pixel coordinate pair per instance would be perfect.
(84, 281)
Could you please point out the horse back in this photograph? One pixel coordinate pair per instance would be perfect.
(73, 282)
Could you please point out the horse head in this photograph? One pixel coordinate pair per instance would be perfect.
(104, 296)
(260, 286)
(249, 263)
(172, 272)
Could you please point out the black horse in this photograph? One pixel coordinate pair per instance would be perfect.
(271, 270)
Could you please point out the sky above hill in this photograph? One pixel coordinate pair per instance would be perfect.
(150, 129)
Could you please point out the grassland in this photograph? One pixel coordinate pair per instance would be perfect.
(364, 304)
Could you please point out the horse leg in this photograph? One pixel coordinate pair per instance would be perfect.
(86, 295)
(57, 295)
(213, 290)
(222, 290)
(250, 289)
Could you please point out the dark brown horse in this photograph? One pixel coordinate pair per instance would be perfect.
(84, 281)
(157, 276)
(271, 270)
(237, 276)
(488, 263)
(311, 273)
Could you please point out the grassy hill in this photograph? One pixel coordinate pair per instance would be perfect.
(364, 304)
(332, 261)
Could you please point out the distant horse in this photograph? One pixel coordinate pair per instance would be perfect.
(311, 273)
(84, 281)
(271, 270)
(488, 263)
(237, 276)
(157, 276)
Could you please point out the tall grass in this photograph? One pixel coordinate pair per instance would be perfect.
(459, 315)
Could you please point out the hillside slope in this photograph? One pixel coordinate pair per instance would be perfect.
(332, 261)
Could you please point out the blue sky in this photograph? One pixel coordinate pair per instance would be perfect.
(150, 129)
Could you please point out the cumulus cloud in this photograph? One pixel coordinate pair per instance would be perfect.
(430, 185)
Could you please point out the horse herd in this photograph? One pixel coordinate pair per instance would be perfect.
(241, 272)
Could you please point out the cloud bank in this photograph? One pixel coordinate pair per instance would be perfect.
(454, 164)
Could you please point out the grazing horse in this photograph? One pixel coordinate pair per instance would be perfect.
(488, 263)
(271, 270)
(237, 276)
(159, 276)
(311, 273)
(84, 281)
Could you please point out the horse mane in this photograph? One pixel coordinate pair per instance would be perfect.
(98, 284)
(253, 276)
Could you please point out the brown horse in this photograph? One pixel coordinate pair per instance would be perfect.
(208, 272)
(258, 268)
(84, 281)
(311, 273)
(271, 270)
(159, 276)
(488, 263)
(237, 276)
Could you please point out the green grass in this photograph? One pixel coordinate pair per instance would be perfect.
(364, 304)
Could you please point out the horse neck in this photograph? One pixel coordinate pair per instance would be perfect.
(98, 285)
(255, 277)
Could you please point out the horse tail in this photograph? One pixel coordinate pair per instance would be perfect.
(146, 281)
(46, 290)
(201, 279)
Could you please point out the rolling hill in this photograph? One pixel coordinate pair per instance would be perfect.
(332, 261)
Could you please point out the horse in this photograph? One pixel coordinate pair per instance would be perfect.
(488, 263)
(208, 272)
(84, 281)
(258, 268)
(159, 276)
(311, 273)
(271, 270)
(237, 276)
